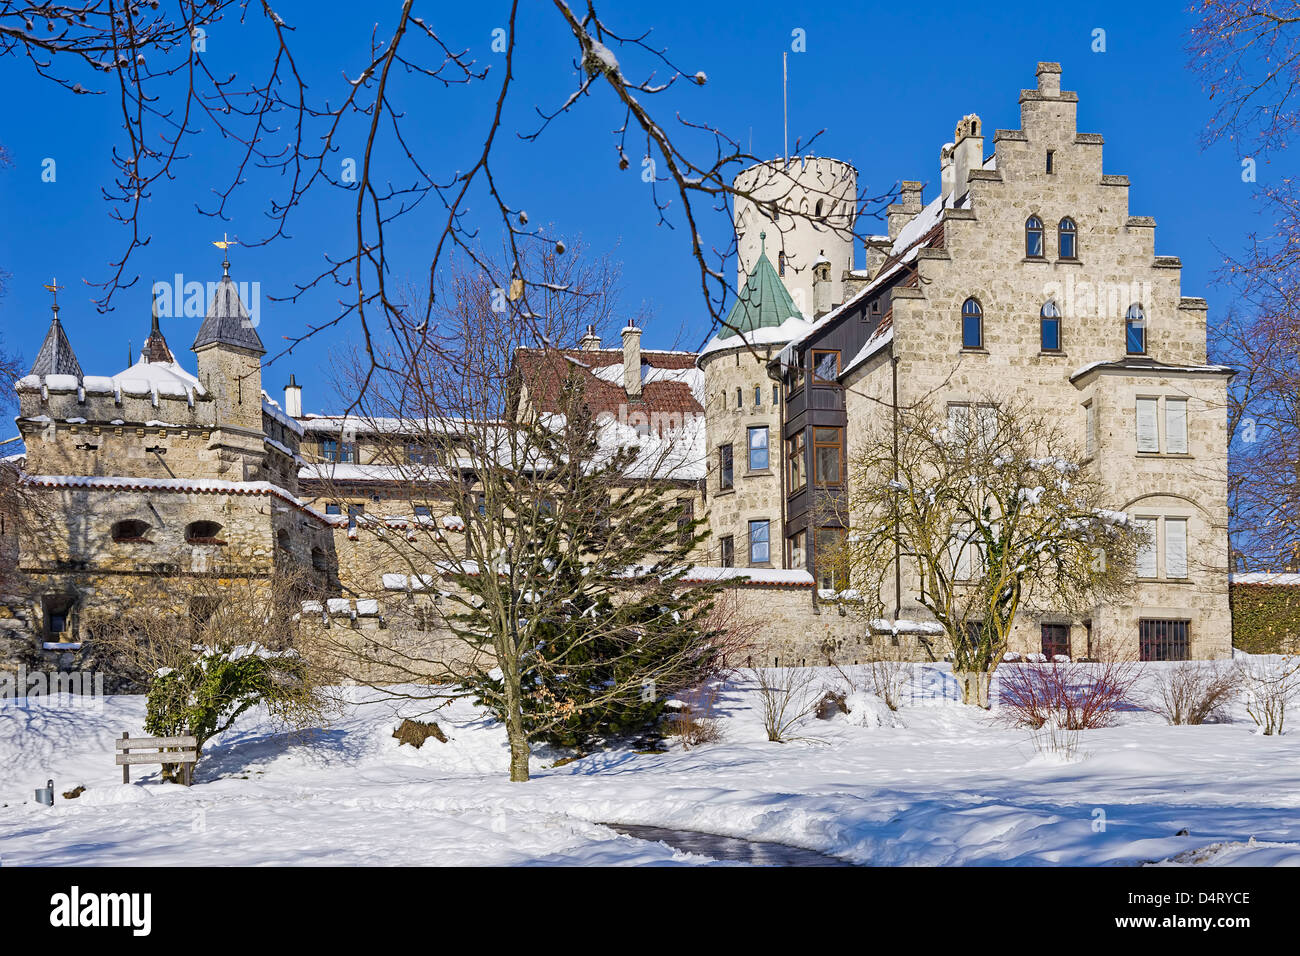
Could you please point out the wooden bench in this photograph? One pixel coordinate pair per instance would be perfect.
(181, 750)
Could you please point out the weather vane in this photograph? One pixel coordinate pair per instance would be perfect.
(53, 287)
(224, 244)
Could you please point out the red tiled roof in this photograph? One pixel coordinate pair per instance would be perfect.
(542, 371)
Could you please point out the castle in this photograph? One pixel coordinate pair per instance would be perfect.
(1024, 269)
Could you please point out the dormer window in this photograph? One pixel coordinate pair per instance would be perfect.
(131, 530)
(1034, 237)
(203, 532)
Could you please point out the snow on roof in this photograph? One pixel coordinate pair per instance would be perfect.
(1136, 364)
(348, 471)
(771, 577)
(676, 455)
(693, 378)
(921, 223)
(1266, 577)
(165, 378)
(880, 338)
(271, 407)
(790, 330)
(182, 485)
(330, 424)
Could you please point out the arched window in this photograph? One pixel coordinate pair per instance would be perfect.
(1034, 237)
(1049, 325)
(203, 532)
(972, 325)
(818, 210)
(131, 530)
(1135, 330)
(1067, 235)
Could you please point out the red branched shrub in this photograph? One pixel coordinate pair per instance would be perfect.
(1072, 696)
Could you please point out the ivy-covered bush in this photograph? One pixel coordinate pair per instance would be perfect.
(1265, 618)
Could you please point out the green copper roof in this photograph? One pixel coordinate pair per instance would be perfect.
(763, 302)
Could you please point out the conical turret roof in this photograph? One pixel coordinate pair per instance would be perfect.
(764, 302)
(227, 322)
(155, 346)
(56, 356)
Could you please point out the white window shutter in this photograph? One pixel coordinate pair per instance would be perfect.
(959, 421)
(1148, 434)
(1176, 426)
(959, 553)
(1146, 556)
(1175, 547)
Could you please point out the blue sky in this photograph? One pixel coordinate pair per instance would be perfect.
(887, 83)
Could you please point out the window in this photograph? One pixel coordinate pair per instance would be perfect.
(1176, 426)
(828, 452)
(758, 395)
(480, 503)
(1148, 433)
(131, 530)
(972, 325)
(1034, 237)
(727, 551)
(780, 263)
(1089, 429)
(967, 424)
(795, 544)
(1067, 235)
(334, 509)
(203, 532)
(758, 457)
(1162, 640)
(318, 559)
(829, 560)
(740, 398)
(340, 451)
(685, 521)
(817, 211)
(418, 453)
(1049, 323)
(796, 378)
(965, 553)
(1056, 640)
(1051, 161)
(776, 395)
(58, 616)
(760, 551)
(726, 478)
(1146, 555)
(794, 459)
(1135, 330)
(355, 512)
(826, 365)
(1175, 547)
(422, 511)
(282, 539)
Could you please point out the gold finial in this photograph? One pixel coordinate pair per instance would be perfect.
(224, 244)
(53, 287)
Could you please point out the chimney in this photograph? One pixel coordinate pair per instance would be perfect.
(947, 171)
(1049, 79)
(632, 360)
(906, 209)
(293, 398)
(591, 341)
(968, 153)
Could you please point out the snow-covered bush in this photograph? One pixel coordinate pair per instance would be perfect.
(1269, 684)
(867, 710)
(1193, 692)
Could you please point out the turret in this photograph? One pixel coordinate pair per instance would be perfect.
(230, 358)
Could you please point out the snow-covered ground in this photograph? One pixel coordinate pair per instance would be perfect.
(949, 786)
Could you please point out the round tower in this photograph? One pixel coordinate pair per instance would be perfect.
(811, 250)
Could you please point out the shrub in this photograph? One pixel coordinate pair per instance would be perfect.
(1194, 692)
(1270, 684)
(789, 698)
(886, 677)
(1066, 697)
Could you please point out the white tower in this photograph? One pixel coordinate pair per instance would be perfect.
(811, 250)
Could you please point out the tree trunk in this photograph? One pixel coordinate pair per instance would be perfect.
(519, 747)
(974, 687)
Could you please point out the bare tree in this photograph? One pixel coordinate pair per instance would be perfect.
(173, 81)
(555, 536)
(1270, 683)
(1194, 692)
(789, 697)
(1248, 53)
(992, 517)
(209, 647)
